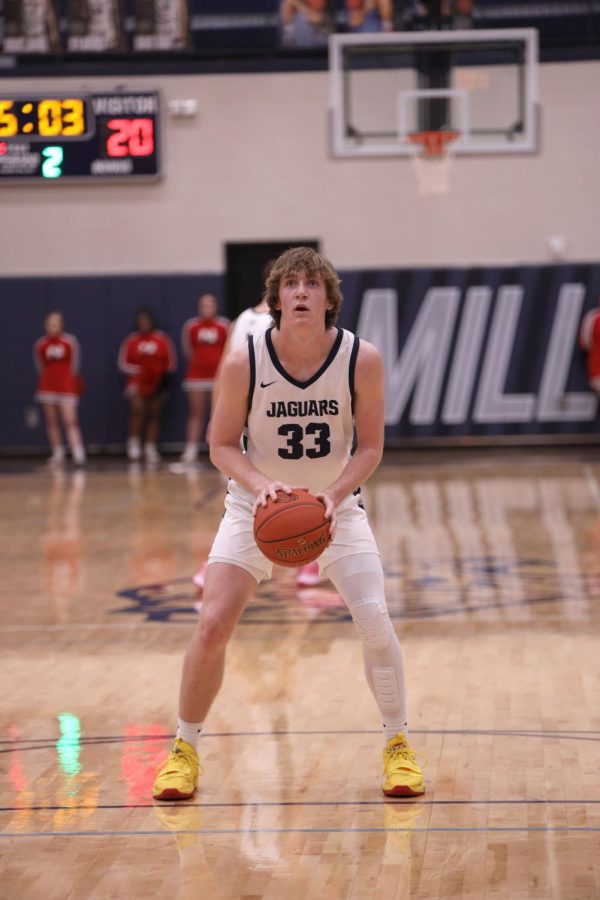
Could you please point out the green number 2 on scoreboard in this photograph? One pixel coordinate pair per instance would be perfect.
(53, 159)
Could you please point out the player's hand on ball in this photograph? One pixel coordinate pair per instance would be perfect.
(270, 492)
(329, 504)
(291, 530)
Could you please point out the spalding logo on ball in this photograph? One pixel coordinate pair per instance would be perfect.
(292, 530)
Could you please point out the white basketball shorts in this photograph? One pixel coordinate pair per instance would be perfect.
(234, 542)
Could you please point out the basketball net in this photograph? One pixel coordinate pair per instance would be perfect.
(432, 154)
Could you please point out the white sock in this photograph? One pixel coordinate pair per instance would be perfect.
(134, 448)
(391, 729)
(58, 454)
(78, 454)
(189, 732)
(190, 453)
(151, 453)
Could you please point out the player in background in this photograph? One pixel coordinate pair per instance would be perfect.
(589, 340)
(254, 321)
(147, 357)
(57, 360)
(203, 341)
(269, 389)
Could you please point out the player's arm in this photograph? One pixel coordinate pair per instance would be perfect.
(228, 423)
(369, 418)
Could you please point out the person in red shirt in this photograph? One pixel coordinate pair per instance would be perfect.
(203, 341)
(589, 340)
(147, 357)
(57, 360)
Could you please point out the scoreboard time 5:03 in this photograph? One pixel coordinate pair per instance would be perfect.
(60, 137)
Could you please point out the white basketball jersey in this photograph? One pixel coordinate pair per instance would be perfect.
(301, 433)
(248, 322)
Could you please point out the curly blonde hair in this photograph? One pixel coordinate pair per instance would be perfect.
(303, 259)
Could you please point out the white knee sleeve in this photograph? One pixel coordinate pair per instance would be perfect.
(372, 622)
(359, 579)
(386, 690)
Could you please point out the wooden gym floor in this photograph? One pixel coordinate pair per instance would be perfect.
(493, 575)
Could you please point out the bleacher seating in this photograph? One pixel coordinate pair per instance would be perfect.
(250, 30)
(574, 23)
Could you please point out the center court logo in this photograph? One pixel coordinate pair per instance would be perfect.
(435, 588)
(277, 602)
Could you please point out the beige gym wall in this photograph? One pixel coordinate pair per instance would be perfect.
(254, 164)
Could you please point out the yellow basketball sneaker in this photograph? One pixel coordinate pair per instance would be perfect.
(177, 779)
(402, 777)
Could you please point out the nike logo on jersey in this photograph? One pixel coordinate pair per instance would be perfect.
(268, 383)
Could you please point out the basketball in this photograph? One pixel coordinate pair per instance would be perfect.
(292, 530)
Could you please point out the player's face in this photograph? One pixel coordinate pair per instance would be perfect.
(303, 298)
(54, 324)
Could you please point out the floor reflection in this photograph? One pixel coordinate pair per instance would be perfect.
(493, 578)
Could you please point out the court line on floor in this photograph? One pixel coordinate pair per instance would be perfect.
(92, 626)
(499, 829)
(251, 804)
(48, 743)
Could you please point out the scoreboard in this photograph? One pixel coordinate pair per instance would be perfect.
(64, 137)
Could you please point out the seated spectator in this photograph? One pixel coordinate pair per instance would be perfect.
(305, 23)
(368, 16)
(462, 13)
(422, 15)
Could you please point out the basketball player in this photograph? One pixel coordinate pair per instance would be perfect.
(147, 357)
(203, 341)
(56, 357)
(254, 321)
(273, 387)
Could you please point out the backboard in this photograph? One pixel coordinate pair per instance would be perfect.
(387, 87)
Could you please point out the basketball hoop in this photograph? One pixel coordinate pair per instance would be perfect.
(432, 154)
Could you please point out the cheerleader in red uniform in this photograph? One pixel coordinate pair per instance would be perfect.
(589, 340)
(203, 341)
(147, 357)
(57, 359)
